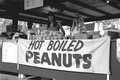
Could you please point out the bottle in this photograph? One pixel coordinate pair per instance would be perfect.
(28, 35)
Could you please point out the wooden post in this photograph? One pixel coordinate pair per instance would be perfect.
(15, 21)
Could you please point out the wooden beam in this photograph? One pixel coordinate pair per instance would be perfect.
(103, 18)
(44, 15)
(15, 21)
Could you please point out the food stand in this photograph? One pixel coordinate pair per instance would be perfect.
(31, 61)
(52, 56)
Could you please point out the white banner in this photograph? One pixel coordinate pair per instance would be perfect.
(118, 49)
(90, 55)
(9, 52)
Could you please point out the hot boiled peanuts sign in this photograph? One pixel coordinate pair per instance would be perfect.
(68, 55)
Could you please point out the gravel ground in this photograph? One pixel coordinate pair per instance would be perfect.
(9, 77)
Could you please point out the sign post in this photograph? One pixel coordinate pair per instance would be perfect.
(118, 49)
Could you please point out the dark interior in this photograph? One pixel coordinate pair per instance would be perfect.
(90, 10)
